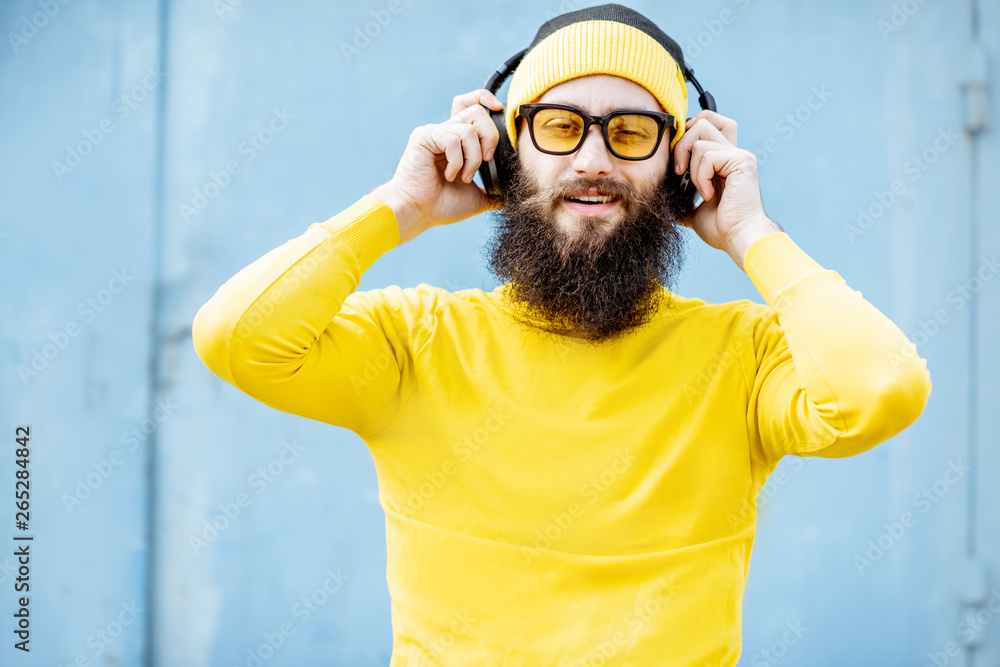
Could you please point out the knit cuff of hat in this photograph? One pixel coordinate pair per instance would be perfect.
(599, 47)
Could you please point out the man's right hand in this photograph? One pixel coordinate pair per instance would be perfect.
(433, 184)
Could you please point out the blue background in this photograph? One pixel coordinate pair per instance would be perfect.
(180, 87)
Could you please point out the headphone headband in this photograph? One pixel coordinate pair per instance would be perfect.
(494, 173)
(498, 77)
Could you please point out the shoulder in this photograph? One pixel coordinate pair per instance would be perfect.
(741, 327)
(740, 313)
(421, 306)
(421, 296)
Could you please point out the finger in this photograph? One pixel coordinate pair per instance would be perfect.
(489, 136)
(707, 159)
(698, 151)
(445, 141)
(706, 172)
(724, 124)
(717, 162)
(472, 148)
(481, 96)
(462, 150)
(700, 129)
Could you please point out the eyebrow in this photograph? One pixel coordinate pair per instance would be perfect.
(616, 107)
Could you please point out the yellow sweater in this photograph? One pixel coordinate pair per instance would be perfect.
(548, 501)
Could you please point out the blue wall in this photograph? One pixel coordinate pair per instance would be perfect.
(151, 151)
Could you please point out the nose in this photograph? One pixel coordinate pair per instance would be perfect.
(593, 158)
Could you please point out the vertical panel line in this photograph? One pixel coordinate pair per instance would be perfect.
(971, 513)
(156, 346)
(973, 412)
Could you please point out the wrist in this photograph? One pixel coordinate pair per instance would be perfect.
(407, 215)
(752, 230)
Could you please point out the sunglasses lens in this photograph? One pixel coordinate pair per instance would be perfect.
(560, 130)
(633, 135)
(557, 130)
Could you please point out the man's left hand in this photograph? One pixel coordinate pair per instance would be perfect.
(732, 215)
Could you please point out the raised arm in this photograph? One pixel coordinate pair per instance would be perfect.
(280, 331)
(832, 376)
(290, 330)
(829, 374)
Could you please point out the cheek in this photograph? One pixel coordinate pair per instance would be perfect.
(544, 168)
(656, 168)
(663, 157)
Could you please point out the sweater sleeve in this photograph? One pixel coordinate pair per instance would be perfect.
(833, 376)
(286, 330)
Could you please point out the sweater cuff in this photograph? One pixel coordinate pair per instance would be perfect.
(774, 263)
(368, 227)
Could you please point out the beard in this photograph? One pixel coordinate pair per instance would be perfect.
(599, 279)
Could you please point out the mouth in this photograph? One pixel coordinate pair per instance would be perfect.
(591, 202)
(588, 204)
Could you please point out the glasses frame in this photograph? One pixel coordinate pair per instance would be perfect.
(663, 120)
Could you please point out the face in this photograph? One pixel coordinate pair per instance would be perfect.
(595, 271)
(597, 95)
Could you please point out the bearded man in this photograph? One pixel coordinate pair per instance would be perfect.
(569, 463)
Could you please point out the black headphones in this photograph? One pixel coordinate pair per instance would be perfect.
(494, 172)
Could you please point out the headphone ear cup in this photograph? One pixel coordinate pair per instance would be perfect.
(494, 172)
(687, 187)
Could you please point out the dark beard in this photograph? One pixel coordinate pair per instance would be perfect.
(598, 284)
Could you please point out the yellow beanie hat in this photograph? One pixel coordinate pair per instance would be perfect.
(608, 39)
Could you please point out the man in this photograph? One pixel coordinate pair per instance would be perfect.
(569, 464)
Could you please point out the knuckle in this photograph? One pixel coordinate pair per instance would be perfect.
(443, 138)
(489, 127)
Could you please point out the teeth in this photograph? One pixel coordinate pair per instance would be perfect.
(594, 200)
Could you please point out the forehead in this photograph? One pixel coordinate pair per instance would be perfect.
(600, 93)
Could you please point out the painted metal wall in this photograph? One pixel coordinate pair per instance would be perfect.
(150, 151)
